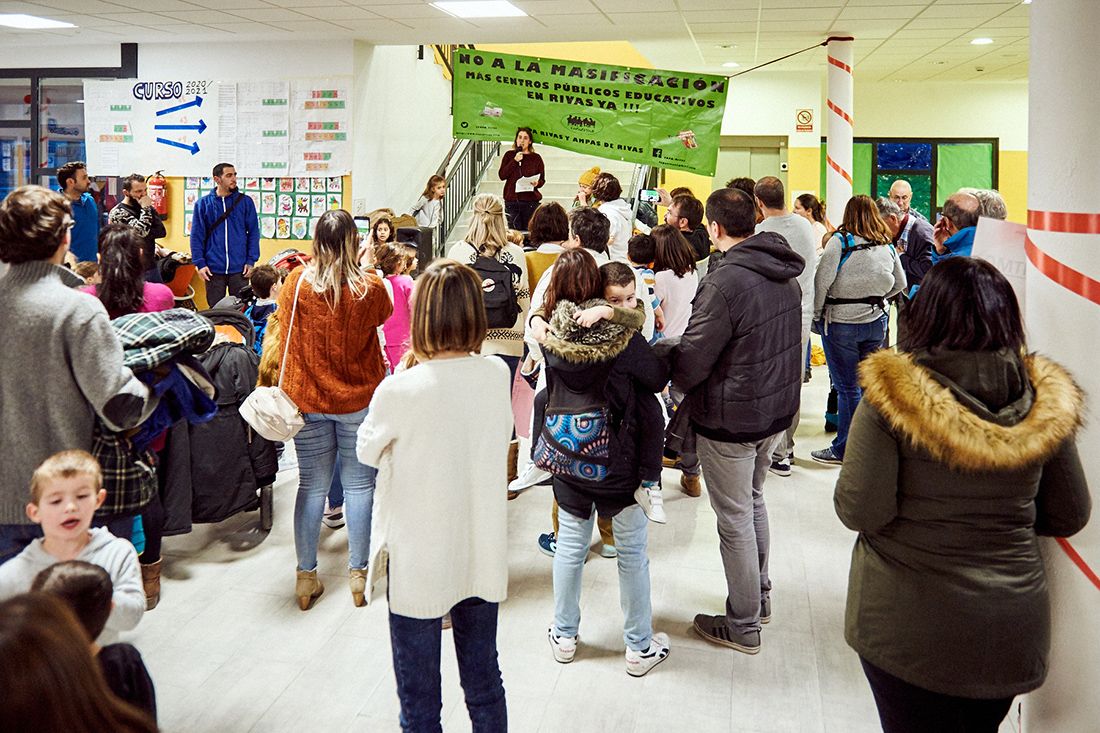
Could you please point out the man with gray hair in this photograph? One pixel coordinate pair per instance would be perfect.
(954, 232)
(912, 239)
(991, 203)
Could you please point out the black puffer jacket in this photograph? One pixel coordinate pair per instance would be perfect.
(738, 361)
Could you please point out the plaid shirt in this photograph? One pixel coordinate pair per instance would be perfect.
(129, 475)
(152, 339)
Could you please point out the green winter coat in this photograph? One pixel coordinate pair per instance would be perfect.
(956, 463)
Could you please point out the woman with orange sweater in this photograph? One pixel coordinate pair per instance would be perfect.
(330, 310)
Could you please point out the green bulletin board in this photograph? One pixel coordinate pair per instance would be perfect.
(962, 166)
(934, 168)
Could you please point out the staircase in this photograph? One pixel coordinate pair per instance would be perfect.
(562, 170)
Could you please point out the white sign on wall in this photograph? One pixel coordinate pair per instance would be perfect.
(184, 128)
(1003, 244)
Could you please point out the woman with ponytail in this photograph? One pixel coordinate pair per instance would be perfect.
(122, 288)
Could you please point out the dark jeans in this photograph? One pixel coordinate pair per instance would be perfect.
(217, 285)
(15, 537)
(416, 653)
(846, 345)
(519, 213)
(152, 523)
(906, 708)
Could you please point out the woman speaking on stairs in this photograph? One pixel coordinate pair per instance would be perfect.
(523, 174)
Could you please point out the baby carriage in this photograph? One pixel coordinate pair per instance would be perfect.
(220, 468)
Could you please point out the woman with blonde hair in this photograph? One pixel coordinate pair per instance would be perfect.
(498, 261)
(329, 314)
(443, 523)
(858, 272)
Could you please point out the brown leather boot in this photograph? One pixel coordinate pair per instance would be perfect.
(150, 579)
(357, 581)
(307, 588)
(690, 485)
(513, 460)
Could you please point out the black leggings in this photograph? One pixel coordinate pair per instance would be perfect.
(152, 523)
(906, 708)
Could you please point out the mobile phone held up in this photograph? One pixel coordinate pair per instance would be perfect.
(649, 196)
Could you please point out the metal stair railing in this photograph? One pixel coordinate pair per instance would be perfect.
(467, 161)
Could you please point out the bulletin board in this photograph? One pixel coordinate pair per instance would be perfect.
(288, 208)
(934, 167)
(184, 127)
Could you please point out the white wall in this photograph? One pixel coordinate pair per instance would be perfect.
(943, 109)
(765, 103)
(402, 109)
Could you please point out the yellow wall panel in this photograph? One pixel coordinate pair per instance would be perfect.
(804, 170)
(1012, 183)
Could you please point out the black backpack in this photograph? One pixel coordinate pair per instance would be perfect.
(501, 302)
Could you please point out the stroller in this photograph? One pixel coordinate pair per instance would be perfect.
(220, 468)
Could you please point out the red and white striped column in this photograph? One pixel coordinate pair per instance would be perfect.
(1063, 321)
(838, 151)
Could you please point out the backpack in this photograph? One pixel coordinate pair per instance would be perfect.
(501, 301)
(574, 442)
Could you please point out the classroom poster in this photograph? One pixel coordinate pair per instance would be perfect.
(288, 208)
(667, 119)
(320, 128)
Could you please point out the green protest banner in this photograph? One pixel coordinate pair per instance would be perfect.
(667, 119)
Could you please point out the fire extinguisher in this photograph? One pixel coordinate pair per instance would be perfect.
(157, 190)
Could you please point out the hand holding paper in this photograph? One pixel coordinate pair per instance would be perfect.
(526, 184)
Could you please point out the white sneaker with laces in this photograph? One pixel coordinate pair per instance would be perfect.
(565, 647)
(649, 499)
(638, 663)
(532, 476)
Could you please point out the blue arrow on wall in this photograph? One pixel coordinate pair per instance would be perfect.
(201, 127)
(196, 102)
(193, 147)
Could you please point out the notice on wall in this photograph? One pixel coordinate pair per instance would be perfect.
(145, 126)
(321, 128)
(667, 119)
(184, 128)
(1003, 244)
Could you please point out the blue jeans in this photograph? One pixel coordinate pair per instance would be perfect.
(846, 345)
(317, 444)
(14, 538)
(416, 652)
(336, 491)
(631, 532)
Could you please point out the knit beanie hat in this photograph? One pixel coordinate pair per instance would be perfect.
(589, 176)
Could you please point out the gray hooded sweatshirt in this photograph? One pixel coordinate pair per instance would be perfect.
(115, 555)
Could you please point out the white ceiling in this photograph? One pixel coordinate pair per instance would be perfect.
(910, 41)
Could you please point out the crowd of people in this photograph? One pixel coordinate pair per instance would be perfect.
(682, 346)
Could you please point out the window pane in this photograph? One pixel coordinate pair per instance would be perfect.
(15, 159)
(922, 190)
(861, 165)
(963, 166)
(905, 156)
(15, 99)
(62, 124)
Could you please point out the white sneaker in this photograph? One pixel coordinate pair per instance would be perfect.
(564, 646)
(532, 476)
(333, 518)
(638, 663)
(649, 499)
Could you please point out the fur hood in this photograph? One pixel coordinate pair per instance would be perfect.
(578, 345)
(917, 404)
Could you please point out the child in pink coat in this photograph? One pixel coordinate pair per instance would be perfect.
(395, 259)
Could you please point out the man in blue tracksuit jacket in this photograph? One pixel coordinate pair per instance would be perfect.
(74, 184)
(225, 236)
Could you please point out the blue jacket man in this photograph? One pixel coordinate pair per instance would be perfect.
(74, 184)
(225, 236)
(954, 232)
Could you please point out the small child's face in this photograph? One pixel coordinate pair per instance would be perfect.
(66, 507)
(439, 190)
(621, 296)
(382, 233)
(275, 289)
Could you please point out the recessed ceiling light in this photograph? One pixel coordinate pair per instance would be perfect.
(731, 64)
(31, 22)
(480, 9)
(981, 41)
(1027, 2)
(727, 45)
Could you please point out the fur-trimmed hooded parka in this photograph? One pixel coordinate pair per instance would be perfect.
(607, 365)
(956, 462)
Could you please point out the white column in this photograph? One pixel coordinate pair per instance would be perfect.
(1063, 321)
(839, 130)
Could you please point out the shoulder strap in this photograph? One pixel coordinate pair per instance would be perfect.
(221, 219)
(290, 328)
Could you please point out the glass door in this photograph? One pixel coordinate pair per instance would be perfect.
(15, 134)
